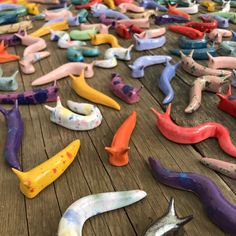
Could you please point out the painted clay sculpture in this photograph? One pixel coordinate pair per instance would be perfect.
(32, 52)
(203, 26)
(191, 9)
(50, 15)
(219, 210)
(8, 6)
(111, 56)
(20, 11)
(229, 15)
(98, 39)
(110, 3)
(211, 6)
(141, 22)
(223, 167)
(233, 82)
(64, 71)
(145, 14)
(109, 13)
(83, 34)
(150, 4)
(8, 19)
(221, 62)
(126, 31)
(100, 28)
(226, 6)
(205, 83)
(222, 22)
(218, 34)
(85, 91)
(148, 43)
(11, 39)
(152, 33)
(228, 48)
(8, 83)
(118, 2)
(172, 10)
(15, 130)
(124, 91)
(82, 15)
(119, 147)
(168, 223)
(88, 117)
(196, 69)
(46, 1)
(170, 18)
(144, 61)
(35, 180)
(88, 5)
(12, 28)
(125, 7)
(76, 214)
(187, 43)
(192, 135)
(186, 31)
(165, 81)
(5, 56)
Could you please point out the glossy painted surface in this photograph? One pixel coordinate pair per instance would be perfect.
(211, 6)
(76, 214)
(191, 9)
(203, 26)
(186, 31)
(126, 31)
(152, 33)
(219, 210)
(170, 18)
(8, 19)
(98, 39)
(8, 83)
(88, 5)
(150, 4)
(83, 34)
(221, 62)
(15, 130)
(229, 15)
(187, 43)
(5, 56)
(19, 11)
(173, 10)
(222, 22)
(35, 180)
(100, 28)
(11, 39)
(119, 147)
(77, 53)
(228, 48)
(109, 13)
(218, 34)
(50, 15)
(125, 7)
(12, 28)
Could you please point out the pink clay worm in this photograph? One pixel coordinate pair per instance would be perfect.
(221, 62)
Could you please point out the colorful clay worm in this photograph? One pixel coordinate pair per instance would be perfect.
(126, 31)
(32, 52)
(8, 19)
(64, 71)
(226, 6)
(192, 135)
(88, 5)
(223, 167)
(229, 15)
(222, 22)
(80, 86)
(150, 4)
(203, 26)
(20, 11)
(211, 6)
(205, 83)
(233, 82)
(221, 62)
(82, 15)
(219, 210)
(12, 28)
(191, 9)
(144, 61)
(218, 34)
(35, 180)
(145, 14)
(233, 36)
(125, 7)
(170, 18)
(98, 39)
(110, 4)
(5, 56)
(168, 223)
(100, 28)
(165, 81)
(15, 130)
(186, 31)
(79, 2)
(8, 6)
(124, 91)
(119, 147)
(152, 33)
(46, 1)
(196, 69)
(50, 15)
(8, 83)
(228, 48)
(172, 10)
(141, 22)
(83, 34)
(142, 44)
(98, 7)
(76, 214)
(11, 39)
(109, 13)
(111, 56)
(88, 117)
(187, 43)
(118, 2)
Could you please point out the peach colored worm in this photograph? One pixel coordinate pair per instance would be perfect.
(152, 33)
(101, 28)
(218, 34)
(124, 7)
(141, 22)
(221, 62)
(50, 15)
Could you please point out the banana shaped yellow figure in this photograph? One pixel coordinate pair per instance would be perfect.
(84, 90)
(34, 181)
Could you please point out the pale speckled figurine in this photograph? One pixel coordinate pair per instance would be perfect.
(168, 224)
(8, 83)
(124, 91)
(90, 117)
(77, 213)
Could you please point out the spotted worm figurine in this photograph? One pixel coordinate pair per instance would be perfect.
(90, 117)
(209, 83)
(219, 210)
(15, 130)
(223, 167)
(168, 223)
(76, 214)
(8, 83)
(192, 135)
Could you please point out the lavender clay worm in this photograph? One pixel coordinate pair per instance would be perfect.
(15, 130)
(219, 210)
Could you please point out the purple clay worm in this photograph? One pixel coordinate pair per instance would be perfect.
(15, 130)
(30, 97)
(219, 210)
(166, 19)
(11, 39)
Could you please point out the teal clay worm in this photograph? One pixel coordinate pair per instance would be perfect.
(8, 83)
(83, 34)
(228, 48)
(21, 11)
(187, 43)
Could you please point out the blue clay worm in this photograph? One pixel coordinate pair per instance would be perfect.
(8, 19)
(109, 13)
(149, 4)
(219, 210)
(15, 130)
(165, 81)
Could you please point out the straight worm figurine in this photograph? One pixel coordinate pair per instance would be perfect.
(192, 135)
(219, 210)
(15, 130)
(76, 214)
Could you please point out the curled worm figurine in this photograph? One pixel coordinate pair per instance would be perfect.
(8, 83)
(220, 211)
(90, 117)
(165, 81)
(98, 39)
(15, 130)
(209, 83)
(192, 135)
(76, 214)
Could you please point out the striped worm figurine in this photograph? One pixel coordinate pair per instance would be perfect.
(168, 223)
(209, 83)
(76, 214)
(223, 167)
(35, 180)
(8, 83)
(88, 117)
(15, 130)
